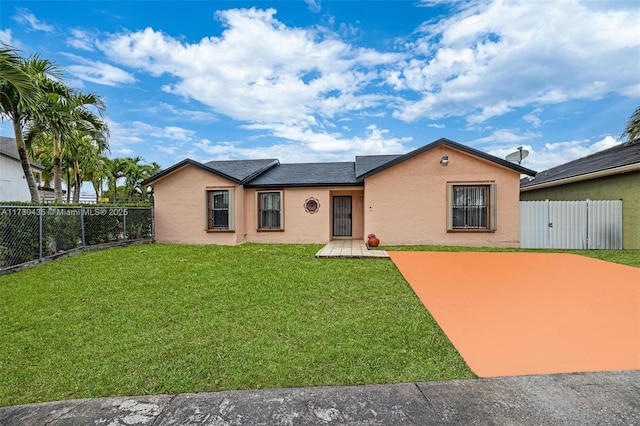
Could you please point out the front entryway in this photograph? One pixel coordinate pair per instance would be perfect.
(342, 216)
(346, 248)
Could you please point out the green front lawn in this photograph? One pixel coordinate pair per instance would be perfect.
(175, 318)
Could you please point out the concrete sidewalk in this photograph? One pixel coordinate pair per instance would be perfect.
(611, 398)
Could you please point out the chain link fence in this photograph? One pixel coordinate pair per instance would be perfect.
(34, 233)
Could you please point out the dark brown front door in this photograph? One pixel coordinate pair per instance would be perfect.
(342, 216)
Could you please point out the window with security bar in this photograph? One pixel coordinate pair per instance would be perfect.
(472, 207)
(220, 210)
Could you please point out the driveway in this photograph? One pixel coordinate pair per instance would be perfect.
(514, 314)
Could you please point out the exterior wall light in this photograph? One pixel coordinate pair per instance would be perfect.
(444, 160)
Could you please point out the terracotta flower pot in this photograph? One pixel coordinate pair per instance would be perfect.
(374, 242)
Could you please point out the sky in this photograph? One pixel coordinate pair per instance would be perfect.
(316, 80)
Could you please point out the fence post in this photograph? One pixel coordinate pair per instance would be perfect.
(82, 225)
(41, 213)
(124, 221)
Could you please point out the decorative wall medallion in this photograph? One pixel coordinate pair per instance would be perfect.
(312, 205)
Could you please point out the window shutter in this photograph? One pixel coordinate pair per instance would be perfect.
(281, 210)
(207, 211)
(493, 208)
(449, 207)
(232, 210)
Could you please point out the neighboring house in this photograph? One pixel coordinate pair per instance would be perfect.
(443, 193)
(13, 183)
(612, 174)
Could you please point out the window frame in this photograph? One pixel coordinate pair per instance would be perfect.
(209, 216)
(259, 226)
(491, 206)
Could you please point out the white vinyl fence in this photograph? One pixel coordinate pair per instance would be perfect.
(584, 224)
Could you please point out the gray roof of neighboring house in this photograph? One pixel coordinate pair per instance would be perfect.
(308, 174)
(9, 149)
(609, 161)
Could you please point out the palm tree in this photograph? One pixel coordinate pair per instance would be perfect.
(152, 169)
(64, 111)
(632, 131)
(134, 174)
(96, 171)
(117, 167)
(21, 90)
(83, 150)
(12, 73)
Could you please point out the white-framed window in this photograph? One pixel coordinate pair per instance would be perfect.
(270, 210)
(220, 209)
(471, 206)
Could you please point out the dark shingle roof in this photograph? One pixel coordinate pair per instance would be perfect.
(608, 159)
(236, 171)
(242, 170)
(366, 163)
(308, 174)
(271, 174)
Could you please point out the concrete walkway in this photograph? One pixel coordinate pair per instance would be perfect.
(611, 398)
(349, 249)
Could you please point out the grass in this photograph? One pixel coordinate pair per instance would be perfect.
(175, 318)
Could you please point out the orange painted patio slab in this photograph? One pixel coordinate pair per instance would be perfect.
(530, 313)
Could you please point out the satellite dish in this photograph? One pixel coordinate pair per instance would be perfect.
(518, 156)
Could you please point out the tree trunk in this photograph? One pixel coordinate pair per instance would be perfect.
(78, 172)
(68, 187)
(76, 192)
(26, 166)
(96, 188)
(57, 172)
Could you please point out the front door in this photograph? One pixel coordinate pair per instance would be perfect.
(342, 216)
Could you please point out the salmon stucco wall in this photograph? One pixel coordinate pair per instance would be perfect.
(407, 203)
(300, 226)
(180, 208)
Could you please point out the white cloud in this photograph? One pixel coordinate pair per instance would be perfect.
(123, 152)
(99, 72)
(275, 78)
(314, 5)
(296, 85)
(167, 149)
(169, 139)
(532, 119)
(7, 38)
(505, 136)
(556, 153)
(307, 146)
(493, 57)
(81, 39)
(24, 16)
(148, 132)
(192, 115)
